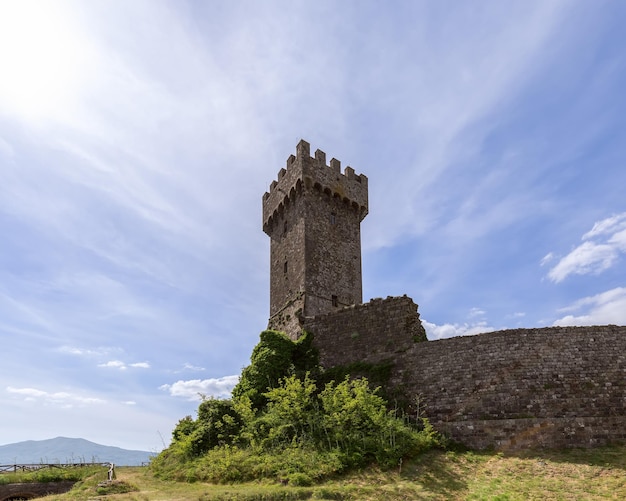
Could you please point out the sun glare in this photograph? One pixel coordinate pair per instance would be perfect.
(42, 58)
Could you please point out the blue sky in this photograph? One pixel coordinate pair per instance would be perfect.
(137, 139)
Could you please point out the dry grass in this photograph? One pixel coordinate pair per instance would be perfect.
(437, 475)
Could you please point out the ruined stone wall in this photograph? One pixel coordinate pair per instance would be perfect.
(373, 332)
(549, 387)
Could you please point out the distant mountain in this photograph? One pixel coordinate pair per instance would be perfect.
(69, 450)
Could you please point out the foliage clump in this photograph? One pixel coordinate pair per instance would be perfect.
(283, 422)
(273, 358)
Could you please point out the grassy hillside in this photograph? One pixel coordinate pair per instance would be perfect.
(436, 475)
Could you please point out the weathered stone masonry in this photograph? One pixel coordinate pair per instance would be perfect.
(374, 332)
(312, 214)
(550, 387)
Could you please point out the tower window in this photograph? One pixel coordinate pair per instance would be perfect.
(335, 301)
(285, 267)
(285, 227)
(333, 218)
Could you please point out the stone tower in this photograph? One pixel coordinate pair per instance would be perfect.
(313, 215)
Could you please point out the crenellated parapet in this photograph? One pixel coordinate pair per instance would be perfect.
(304, 173)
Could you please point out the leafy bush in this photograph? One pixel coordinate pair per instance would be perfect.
(184, 428)
(299, 479)
(281, 424)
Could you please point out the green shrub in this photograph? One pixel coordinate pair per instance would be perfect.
(270, 361)
(299, 479)
(184, 428)
(281, 424)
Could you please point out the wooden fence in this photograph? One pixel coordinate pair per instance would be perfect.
(25, 468)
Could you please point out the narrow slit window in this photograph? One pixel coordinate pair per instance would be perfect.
(335, 301)
(285, 227)
(285, 267)
(333, 218)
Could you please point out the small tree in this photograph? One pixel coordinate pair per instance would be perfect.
(183, 429)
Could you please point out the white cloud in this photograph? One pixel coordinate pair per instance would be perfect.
(547, 258)
(55, 398)
(189, 367)
(114, 364)
(587, 258)
(140, 365)
(84, 352)
(118, 364)
(608, 226)
(608, 307)
(434, 331)
(619, 240)
(600, 250)
(476, 312)
(195, 388)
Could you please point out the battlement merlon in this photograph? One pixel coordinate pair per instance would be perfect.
(304, 172)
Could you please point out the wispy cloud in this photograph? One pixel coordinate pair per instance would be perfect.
(608, 307)
(609, 227)
(84, 352)
(187, 367)
(195, 389)
(517, 314)
(600, 250)
(476, 312)
(59, 398)
(456, 88)
(140, 365)
(114, 364)
(549, 257)
(118, 364)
